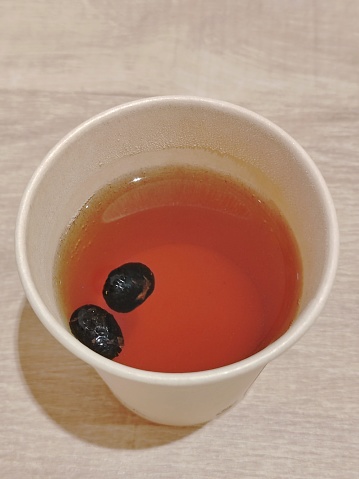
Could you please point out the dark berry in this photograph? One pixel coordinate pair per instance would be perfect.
(128, 286)
(98, 330)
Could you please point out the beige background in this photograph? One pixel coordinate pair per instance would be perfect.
(295, 62)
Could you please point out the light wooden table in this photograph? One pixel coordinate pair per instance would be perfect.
(295, 62)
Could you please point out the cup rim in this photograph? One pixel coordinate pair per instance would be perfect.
(257, 360)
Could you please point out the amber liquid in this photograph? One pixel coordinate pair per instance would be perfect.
(226, 265)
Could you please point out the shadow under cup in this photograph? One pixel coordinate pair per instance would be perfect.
(176, 131)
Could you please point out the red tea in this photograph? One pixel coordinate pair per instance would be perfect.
(227, 268)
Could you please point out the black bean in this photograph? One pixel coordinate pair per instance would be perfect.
(98, 330)
(128, 286)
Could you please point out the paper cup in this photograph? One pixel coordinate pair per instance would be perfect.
(171, 131)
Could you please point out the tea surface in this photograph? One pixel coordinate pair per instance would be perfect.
(226, 265)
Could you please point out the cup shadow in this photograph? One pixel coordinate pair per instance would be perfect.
(72, 394)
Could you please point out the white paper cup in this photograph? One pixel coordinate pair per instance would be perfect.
(176, 130)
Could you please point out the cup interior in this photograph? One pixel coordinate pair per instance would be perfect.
(175, 131)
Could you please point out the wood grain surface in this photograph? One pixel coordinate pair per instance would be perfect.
(295, 62)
